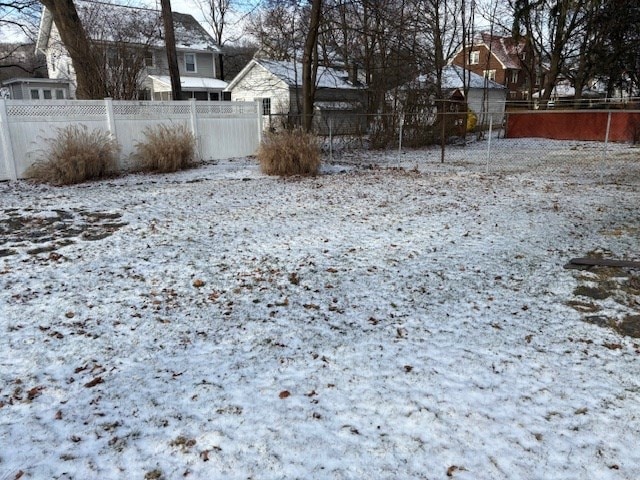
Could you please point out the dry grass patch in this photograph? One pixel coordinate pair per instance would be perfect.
(291, 152)
(76, 155)
(166, 148)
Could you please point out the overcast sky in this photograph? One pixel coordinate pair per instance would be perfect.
(181, 6)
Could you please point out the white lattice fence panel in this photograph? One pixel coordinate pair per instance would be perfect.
(153, 110)
(223, 109)
(55, 110)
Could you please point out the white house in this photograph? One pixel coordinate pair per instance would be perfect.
(484, 96)
(110, 24)
(339, 98)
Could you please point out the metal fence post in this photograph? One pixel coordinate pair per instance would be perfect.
(331, 138)
(606, 144)
(489, 141)
(401, 122)
(5, 139)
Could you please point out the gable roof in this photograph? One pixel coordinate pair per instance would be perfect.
(189, 34)
(506, 49)
(291, 74)
(452, 79)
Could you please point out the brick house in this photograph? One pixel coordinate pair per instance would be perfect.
(504, 60)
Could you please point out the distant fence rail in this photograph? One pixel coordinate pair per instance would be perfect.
(221, 129)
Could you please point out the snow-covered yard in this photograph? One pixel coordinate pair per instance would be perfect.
(374, 323)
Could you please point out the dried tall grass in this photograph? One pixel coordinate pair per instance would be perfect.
(166, 148)
(76, 155)
(290, 152)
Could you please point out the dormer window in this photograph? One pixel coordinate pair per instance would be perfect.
(190, 62)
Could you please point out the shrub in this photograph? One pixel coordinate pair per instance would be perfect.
(166, 148)
(290, 152)
(76, 155)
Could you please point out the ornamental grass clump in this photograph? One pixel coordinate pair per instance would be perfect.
(288, 153)
(76, 155)
(166, 148)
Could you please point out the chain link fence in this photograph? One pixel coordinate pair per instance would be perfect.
(600, 145)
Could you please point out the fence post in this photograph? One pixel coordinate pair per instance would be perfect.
(5, 139)
(260, 125)
(606, 144)
(111, 121)
(401, 121)
(331, 138)
(489, 141)
(193, 115)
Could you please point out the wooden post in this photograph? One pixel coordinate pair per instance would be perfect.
(5, 139)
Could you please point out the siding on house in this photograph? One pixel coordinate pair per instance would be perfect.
(259, 83)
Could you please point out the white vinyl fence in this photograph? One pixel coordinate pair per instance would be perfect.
(221, 129)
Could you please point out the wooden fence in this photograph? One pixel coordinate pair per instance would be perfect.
(221, 129)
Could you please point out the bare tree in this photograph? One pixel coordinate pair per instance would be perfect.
(310, 64)
(277, 29)
(550, 26)
(170, 43)
(19, 17)
(76, 41)
(222, 16)
(122, 41)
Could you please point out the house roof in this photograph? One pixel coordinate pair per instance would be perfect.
(28, 80)
(452, 79)
(146, 23)
(505, 49)
(291, 74)
(192, 83)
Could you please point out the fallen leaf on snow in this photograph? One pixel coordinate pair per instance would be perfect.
(94, 382)
(284, 394)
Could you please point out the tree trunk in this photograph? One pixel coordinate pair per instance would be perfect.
(172, 56)
(89, 78)
(310, 65)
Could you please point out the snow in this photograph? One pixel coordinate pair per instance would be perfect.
(192, 82)
(452, 78)
(291, 74)
(371, 322)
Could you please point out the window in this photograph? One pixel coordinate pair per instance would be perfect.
(46, 94)
(148, 59)
(214, 96)
(35, 94)
(490, 74)
(513, 95)
(226, 96)
(59, 94)
(190, 62)
(474, 57)
(514, 76)
(266, 106)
